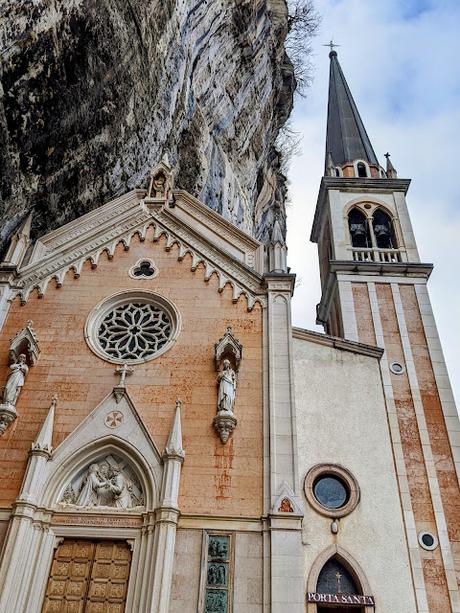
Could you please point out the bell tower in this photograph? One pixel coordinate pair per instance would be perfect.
(374, 291)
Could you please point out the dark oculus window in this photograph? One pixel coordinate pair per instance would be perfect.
(331, 492)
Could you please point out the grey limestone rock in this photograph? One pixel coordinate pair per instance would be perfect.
(94, 92)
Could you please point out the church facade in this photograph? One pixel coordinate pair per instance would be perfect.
(170, 443)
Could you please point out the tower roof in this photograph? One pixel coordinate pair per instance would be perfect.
(346, 138)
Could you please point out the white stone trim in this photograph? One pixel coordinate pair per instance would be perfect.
(118, 221)
(433, 484)
(347, 306)
(406, 503)
(446, 396)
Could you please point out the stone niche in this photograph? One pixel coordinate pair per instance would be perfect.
(108, 482)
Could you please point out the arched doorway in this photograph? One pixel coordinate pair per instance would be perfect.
(336, 582)
(335, 579)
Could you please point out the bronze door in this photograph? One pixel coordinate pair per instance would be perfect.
(88, 577)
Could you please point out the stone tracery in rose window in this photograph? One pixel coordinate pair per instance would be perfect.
(134, 331)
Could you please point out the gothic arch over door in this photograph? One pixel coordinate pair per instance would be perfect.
(352, 569)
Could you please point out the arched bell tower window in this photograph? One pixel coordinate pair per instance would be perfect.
(359, 229)
(362, 170)
(383, 230)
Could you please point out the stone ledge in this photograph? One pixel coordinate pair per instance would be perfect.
(337, 343)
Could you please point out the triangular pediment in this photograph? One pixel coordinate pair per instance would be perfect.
(114, 428)
(224, 250)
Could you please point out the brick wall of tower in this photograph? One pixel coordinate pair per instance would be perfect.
(216, 479)
(424, 506)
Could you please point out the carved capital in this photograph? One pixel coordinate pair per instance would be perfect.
(224, 422)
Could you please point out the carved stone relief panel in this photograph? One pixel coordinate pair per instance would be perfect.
(107, 482)
(218, 575)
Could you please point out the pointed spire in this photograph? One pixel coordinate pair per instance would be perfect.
(277, 234)
(391, 170)
(346, 139)
(330, 165)
(44, 440)
(19, 242)
(277, 251)
(173, 447)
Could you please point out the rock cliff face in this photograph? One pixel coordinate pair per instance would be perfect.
(94, 92)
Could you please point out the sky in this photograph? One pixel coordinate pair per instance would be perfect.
(400, 59)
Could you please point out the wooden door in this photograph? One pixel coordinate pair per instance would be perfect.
(88, 577)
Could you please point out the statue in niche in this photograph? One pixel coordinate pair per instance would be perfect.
(227, 388)
(15, 380)
(159, 185)
(108, 483)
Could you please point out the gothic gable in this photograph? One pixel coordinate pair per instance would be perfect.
(111, 444)
(194, 229)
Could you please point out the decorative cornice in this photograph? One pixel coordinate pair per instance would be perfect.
(378, 268)
(359, 186)
(95, 234)
(337, 343)
(280, 282)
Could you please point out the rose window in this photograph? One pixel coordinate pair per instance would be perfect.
(132, 327)
(134, 331)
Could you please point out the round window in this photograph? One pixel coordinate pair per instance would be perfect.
(397, 368)
(331, 492)
(132, 327)
(427, 540)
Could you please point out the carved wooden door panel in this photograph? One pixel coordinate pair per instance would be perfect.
(109, 578)
(69, 576)
(88, 577)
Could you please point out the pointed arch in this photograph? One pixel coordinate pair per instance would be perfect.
(71, 466)
(359, 229)
(384, 229)
(348, 562)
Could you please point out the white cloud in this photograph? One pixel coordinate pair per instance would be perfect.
(400, 59)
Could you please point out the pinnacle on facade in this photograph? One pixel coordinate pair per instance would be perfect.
(346, 139)
(44, 439)
(391, 170)
(174, 444)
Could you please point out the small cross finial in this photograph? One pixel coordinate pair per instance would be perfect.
(54, 400)
(123, 370)
(331, 45)
(178, 404)
(387, 155)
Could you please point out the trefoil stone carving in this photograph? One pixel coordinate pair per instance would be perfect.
(227, 354)
(106, 483)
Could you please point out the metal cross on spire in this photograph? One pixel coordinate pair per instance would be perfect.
(331, 45)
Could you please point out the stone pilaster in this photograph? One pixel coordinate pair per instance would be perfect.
(286, 560)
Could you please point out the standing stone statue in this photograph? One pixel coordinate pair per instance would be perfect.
(15, 381)
(227, 388)
(119, 487)
(88, 496)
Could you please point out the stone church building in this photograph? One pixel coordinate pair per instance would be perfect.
(171, 444)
